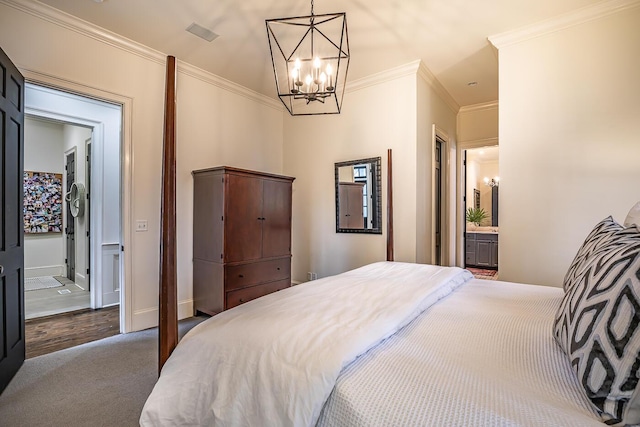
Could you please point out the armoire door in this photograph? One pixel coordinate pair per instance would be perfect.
(243, 217)
(12, 342)
(276, 211)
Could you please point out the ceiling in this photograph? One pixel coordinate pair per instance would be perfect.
(449, 36)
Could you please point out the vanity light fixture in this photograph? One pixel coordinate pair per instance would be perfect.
(493, 182)
(310, 59)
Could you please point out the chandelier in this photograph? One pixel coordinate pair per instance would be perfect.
(310, 59)
(493, 182)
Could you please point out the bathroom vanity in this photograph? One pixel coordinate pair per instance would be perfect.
(482, 249)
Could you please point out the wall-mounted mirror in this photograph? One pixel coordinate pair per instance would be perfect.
(358, 196)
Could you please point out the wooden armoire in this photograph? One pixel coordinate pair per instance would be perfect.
(241, 236)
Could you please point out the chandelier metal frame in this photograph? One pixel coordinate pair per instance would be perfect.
(320, 92)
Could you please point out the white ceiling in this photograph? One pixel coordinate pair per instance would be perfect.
(449, 36)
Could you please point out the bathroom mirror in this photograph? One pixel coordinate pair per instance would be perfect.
(358, 196)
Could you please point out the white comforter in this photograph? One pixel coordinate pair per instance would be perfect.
(274, 361)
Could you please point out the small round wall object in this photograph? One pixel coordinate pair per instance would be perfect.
(75, 197)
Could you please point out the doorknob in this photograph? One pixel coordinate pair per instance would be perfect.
(1, 269)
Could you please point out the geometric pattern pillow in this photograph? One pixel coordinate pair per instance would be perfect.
(598, 327)
(633, 217)
(595, 239)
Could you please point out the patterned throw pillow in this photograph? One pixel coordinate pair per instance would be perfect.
(598, 327)
(595, 239)
(633, 217)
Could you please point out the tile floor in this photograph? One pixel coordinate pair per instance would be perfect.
(46, 302)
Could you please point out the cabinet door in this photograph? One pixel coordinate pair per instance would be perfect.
(276, 211)
(356, 215)
(243, 217)
(208, 211)
(483, 253)
(494, 254)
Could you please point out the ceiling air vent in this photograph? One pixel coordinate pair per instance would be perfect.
(202, 32)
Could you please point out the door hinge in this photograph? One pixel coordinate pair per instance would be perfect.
(87, 158)
(220, 256)
(122, 248)
(65, 260)
(87, 234)
(222, 218)
(87, 196)
(87, 271)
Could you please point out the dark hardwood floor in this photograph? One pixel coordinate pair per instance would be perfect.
(52, 333)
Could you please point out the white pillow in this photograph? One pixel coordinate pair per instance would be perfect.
(633, 217)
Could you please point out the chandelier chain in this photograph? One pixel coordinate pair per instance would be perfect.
(311, 7)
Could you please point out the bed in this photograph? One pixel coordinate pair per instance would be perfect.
(417, 345)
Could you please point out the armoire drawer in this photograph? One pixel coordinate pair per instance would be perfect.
(240, 296)
(243, 275)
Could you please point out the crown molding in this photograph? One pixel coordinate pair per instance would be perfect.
(87, 29)
(228, 85)
(409, 69)
(558, 23)
(491, 105)
(425, 73)
(413, 68)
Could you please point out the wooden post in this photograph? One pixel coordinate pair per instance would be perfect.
(168, 323)
(389, 207)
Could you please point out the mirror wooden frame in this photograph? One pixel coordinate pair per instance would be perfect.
(376, 162)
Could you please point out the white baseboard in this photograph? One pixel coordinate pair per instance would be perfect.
(48, 270)
(148, 318)
(81, 280)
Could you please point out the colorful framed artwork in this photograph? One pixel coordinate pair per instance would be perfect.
(42, 205)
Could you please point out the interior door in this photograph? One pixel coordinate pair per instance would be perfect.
(12, 343)
(87, 209)
(70, 169)
(438, 201)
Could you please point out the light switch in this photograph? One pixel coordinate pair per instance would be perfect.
(141, 225)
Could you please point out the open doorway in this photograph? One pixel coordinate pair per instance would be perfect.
(55, 239)
(72, 152)
(482, 231)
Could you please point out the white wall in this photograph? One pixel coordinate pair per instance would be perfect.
(216, 125)
(432, 109)
(43, 148)
(395, 112)
(569, 120)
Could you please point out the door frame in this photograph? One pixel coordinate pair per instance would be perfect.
(126, 175)
(460, 202)
(445, 187)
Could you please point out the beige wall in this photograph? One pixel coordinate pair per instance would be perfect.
(395, 113)
(569, 141)
(216, 126)
(478, 123)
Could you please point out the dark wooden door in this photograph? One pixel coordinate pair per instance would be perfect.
(12, 343)
(438, 201)
(276, 211)
(87, 210)
(243, 218)
(70, 169)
